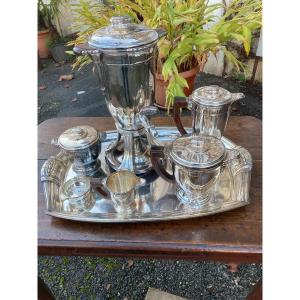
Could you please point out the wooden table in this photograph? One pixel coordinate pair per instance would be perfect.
(231, 237)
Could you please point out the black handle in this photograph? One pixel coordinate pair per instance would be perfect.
(157, 153)
(179, 102)
(98, 188)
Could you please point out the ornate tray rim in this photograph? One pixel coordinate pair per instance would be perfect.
(60, 163)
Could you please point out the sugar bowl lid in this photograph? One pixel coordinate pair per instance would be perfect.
(78, 137)
(212, 95)
(201, 151)
(122, 34)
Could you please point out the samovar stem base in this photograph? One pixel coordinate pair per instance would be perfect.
(131, 152)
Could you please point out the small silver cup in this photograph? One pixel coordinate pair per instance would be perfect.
(78, 192)
(122, 187)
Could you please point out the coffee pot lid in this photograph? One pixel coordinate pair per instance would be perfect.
(201, 151)
(122, 34)
(212, 95)
(79, 137)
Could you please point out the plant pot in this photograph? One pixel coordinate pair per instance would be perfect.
(42, 45)
(59, 53)
(161, 86)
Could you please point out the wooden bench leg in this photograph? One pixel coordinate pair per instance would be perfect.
(254, 70)
(44, 292)
(256, 292)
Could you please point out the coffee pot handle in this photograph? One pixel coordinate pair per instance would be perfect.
(157, 153)
(179, 102)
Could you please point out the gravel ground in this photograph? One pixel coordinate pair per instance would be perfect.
(107, 278)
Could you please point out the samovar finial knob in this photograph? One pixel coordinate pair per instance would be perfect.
(120, 20)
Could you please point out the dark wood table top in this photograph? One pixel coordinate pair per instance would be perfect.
(233, 236)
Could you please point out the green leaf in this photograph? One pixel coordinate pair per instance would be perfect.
(169, 68)
(231, 58)
(203, 41)
(164, 48)
(181, 81)
(247, 40)
(237, 36)
(70, 52)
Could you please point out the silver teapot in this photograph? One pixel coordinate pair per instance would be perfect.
(211, 108)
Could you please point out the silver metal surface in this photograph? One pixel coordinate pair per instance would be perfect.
(130, 152)
(211, 107)
(77, 191)
(197, 151)
(79, 137)
(124, 55)
(122, 34)
(122, 186)
(156, 199)
(83, 144)
(197, 162)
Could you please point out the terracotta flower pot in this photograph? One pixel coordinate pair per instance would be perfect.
(161, 85)
(42, 45)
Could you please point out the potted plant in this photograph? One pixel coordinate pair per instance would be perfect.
(59, 49)
(43, 32)
(47, 12)
(194, 31)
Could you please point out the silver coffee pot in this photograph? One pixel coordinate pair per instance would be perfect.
(211, 108)
(124, 56)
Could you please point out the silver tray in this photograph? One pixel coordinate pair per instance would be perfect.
(155, 201)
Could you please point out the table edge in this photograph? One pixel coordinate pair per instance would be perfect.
(249, 254)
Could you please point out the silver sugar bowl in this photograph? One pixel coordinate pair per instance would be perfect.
(211, 108)
(83, 144)
(197, 161)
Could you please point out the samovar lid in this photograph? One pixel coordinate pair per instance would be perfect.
(122, 34)
(79, 137)
(201, 151)
(212, 95)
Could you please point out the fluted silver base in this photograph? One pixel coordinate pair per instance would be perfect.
(131, 151)
(200, 202)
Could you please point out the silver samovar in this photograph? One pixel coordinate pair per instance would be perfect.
(124, 57)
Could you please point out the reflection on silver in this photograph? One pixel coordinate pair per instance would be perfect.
(124, 57)
(83, 144)
(78, 193)
(156, 199)
(197, 163)
(122, 186)
(211, 108)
